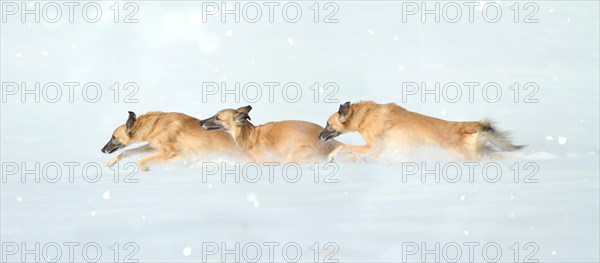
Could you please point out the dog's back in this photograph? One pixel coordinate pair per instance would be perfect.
(296, 141)
(180, 132)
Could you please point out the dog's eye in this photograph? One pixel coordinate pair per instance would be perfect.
(217, 118)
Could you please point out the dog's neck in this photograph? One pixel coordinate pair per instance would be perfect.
(142, 128)
(243, 135)
(355, 119)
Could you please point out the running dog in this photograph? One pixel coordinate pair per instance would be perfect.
(291, 141)
(389, 127)
(170, 135)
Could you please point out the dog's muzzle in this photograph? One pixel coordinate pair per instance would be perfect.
(326, 135)
(209, 125)
(111, 147)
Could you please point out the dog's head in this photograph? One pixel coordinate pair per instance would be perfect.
(226, 119)
(336, 124)
(121, 136)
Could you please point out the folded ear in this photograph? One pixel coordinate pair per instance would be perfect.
(343, 111)
(245, 109)
(242, 116)
(130, 121)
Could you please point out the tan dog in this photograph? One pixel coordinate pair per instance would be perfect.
(389, 127)
(171, 134)
(287, 141)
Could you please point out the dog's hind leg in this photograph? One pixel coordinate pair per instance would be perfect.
(144, 149)
(303, 154)
(162, 156)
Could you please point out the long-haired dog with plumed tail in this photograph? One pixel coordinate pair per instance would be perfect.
(391, 128)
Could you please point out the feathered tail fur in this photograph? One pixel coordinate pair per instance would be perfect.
(497, 138)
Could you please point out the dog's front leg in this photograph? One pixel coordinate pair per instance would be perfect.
(162, 156)
(352, 149)
(144, 149)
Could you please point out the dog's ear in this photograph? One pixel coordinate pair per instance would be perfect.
(242, 116)
(343, 111)
(130, 121)
(245, 109)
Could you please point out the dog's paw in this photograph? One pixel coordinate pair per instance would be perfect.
(330, 157)
(334, 153)
(355, 157)
(143, 168)
(112, 162)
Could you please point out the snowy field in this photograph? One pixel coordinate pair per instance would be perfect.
(539, 204)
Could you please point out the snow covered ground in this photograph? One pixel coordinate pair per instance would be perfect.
(545, 198)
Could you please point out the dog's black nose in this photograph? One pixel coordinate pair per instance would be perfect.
(202, 122)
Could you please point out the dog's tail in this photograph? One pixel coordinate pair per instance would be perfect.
(499, 139)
